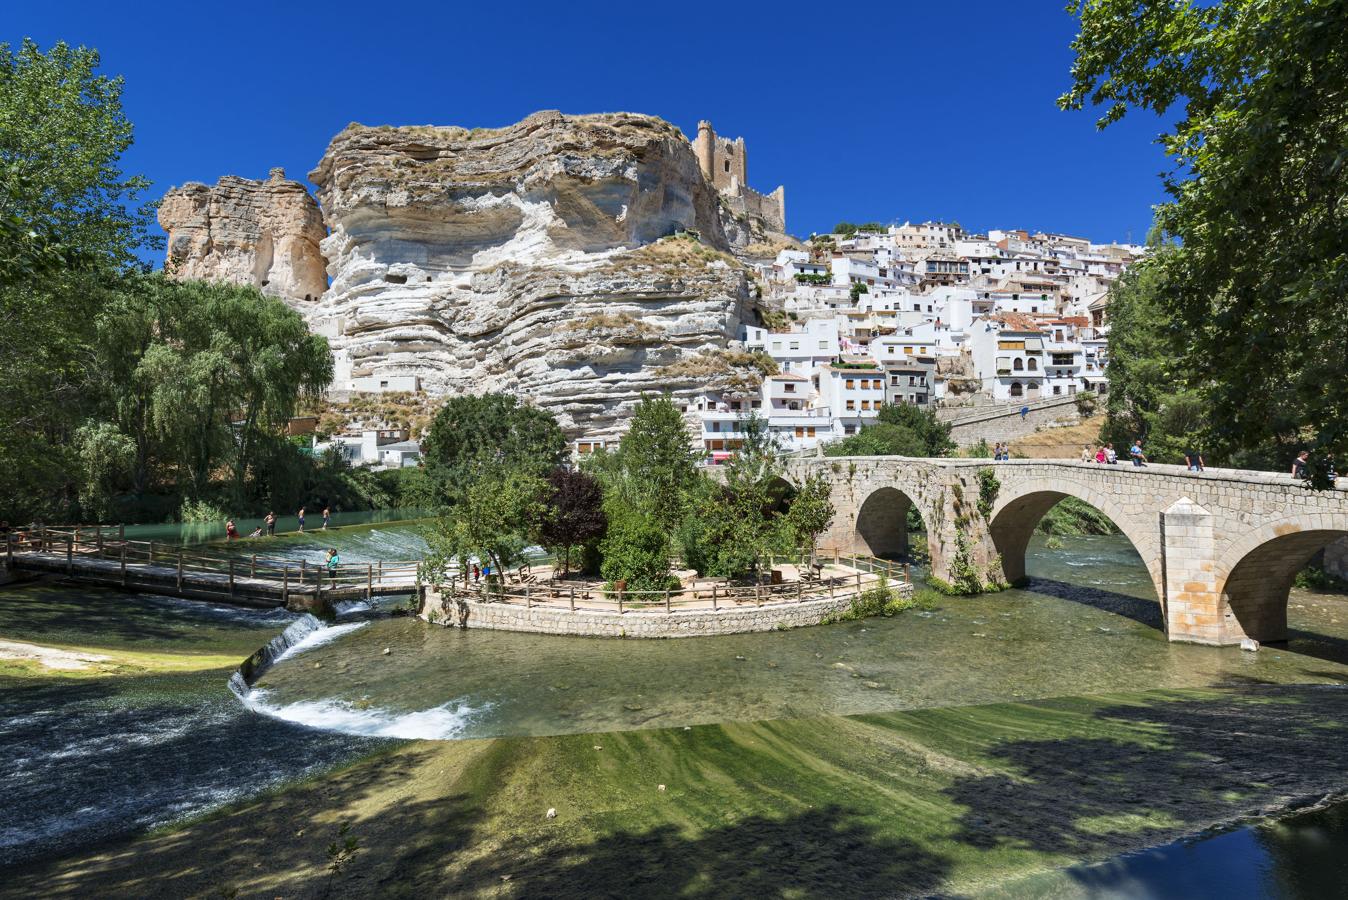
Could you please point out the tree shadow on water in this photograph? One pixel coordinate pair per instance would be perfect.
(817, 853)
(1194, 763)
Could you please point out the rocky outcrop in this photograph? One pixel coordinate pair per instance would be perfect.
(536, 259)
(263, 233)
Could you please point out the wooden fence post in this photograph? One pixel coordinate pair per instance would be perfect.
(285, 585)
(70, 556)
(369, 581)
(231, 576)
(98, 538)
(800, 585)
(77, 535)
(301, 571)
(713, 598)
(667, 601)
(906, 578)
(180, 570)
(123, 563)
(252, 566)
(573, 599)
(528, 598)
(121, 532)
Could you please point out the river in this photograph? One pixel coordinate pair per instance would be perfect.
(160, 744)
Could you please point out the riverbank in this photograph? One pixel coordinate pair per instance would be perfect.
(929, 800)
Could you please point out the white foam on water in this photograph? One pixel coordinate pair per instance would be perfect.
(318, 638)
(439, 723)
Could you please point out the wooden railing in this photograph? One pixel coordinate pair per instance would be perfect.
(110, 543)
(521, 589)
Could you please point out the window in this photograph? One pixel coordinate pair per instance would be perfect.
(794, 345)
(727, 165)
(1016, 390)
(810, 431)
(890, 349)
(800, 431)
(865, 404)
(1056, 390)
(908, 350)
(1010, 345)
(851, 384)
(1018, 364)
(894, 380)
(823, 345)
(788, 388)
(849, 429)
(776, 345)
(851, 404)
(878, 384)
(714, 426)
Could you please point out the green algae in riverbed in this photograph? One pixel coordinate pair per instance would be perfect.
(934, 800)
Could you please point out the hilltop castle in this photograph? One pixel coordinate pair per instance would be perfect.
(725, 164)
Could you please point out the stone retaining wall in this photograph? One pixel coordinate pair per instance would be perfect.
(1005, 424)
(680, 623)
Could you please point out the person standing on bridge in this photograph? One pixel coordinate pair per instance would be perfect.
(1100, 456)
(1086, 454)
(1139, 458)
(1111, 455)
(333, 561)
(1300, 465)
(301, 518)
(1194, 460)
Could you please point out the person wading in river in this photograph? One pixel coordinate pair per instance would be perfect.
(271, 524)
(301, 518)
(327, 514)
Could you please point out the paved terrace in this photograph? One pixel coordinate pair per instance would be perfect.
(1222, 546)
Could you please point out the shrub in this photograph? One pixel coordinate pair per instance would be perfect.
(201, 511)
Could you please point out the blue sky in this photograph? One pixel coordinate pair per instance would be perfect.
(865, 112)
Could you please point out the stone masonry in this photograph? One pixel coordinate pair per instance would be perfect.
(637, 624)
(1222, 546)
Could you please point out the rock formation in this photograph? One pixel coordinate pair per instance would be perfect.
(576, 261)
(263, 233)
(522, 259)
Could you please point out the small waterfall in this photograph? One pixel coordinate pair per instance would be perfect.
(264, 658)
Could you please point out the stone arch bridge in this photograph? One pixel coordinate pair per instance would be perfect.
(1222, 546)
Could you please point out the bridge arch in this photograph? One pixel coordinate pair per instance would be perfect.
(1255, 573)
(1016, 516)
(882, 522)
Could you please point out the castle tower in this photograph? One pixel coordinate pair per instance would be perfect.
(705, 149)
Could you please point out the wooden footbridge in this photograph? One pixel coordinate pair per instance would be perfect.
(102, 555)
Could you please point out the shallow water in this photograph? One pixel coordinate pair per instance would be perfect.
(1098, 633)
(1300, 856)
(286, 525)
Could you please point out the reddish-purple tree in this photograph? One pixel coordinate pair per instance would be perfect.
(575, 516)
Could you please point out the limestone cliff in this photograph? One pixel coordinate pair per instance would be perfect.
(263, 233)
(523, 259)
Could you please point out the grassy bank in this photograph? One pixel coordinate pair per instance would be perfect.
(908, 803)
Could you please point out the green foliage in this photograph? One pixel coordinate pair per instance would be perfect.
(809, 515)
(63, 134)
(809, 278)
(988, 486)
(882, 600)
(105, 456)
(979, 450)
(1256, 284)
(1313, 578)
(472, 432)
(654, 469)
(340, 853)
(857, 290)
(1072, 516)
(201, 511)
(494, 519)
(635, 550)
(922, 421)
(879, 440)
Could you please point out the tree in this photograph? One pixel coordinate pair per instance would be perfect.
(635, 550)
(922, 422)
(1149, 397)
(656, 466)
(809, 515)
(62, 133)
(69, 220)
(574, 514)
(1258, 282)
(472, 431)
(883, 439)
(493, 521)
